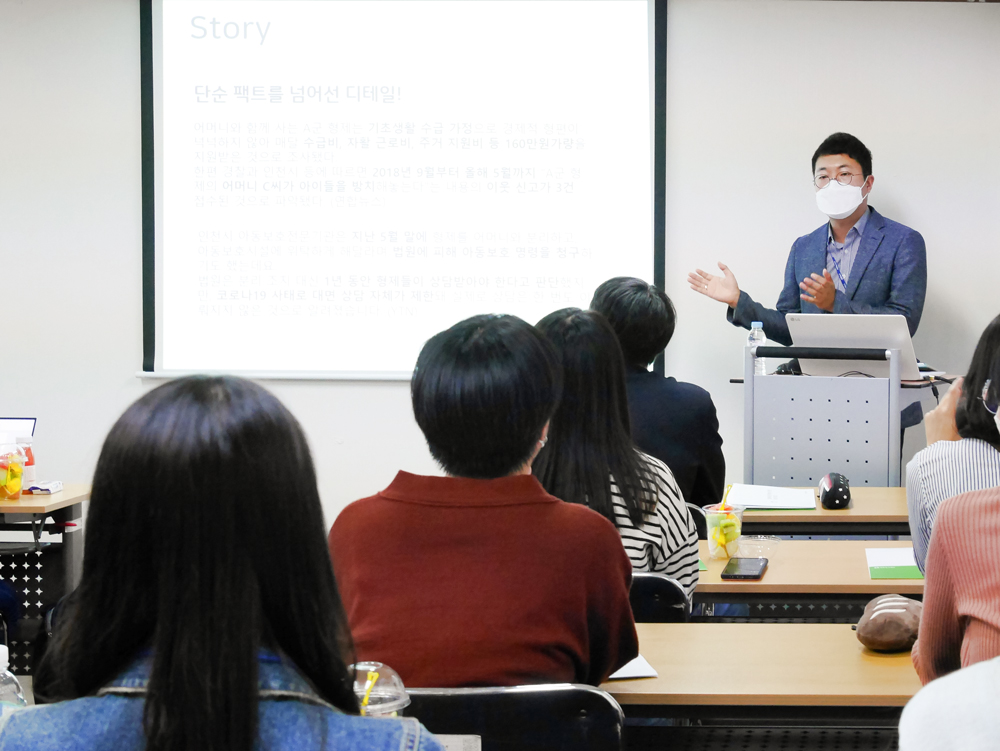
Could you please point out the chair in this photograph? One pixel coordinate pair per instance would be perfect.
(656, 598)
(700, 522)
(550, 717)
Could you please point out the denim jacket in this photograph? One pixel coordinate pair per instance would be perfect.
(292, 717)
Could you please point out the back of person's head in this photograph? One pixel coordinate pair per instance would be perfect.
(204, 544)
(845, 143)
(589, 436)
(972, 418)
(641, 315)
(482, 392)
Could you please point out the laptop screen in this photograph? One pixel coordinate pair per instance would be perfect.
(17, 426)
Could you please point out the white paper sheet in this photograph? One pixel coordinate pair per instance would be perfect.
(637, 668)
(460, 742)
(878, 557)
(770, 497)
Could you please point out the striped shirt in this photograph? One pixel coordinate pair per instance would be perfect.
(840, 256)
(940, 471)
(667, 541)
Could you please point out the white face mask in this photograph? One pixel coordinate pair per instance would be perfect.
(996, 419)
(839, 201)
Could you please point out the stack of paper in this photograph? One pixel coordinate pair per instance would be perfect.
(770, 497)
(43, 488)
(892, 563)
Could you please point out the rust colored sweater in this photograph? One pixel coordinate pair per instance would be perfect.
(960, 624)
(457, 582)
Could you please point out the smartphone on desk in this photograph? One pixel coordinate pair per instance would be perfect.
(744, 568)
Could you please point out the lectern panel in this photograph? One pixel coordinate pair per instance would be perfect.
(804, 427)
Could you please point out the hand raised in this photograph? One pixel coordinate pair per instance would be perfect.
(722, 288)
(939, 423)
(820, 290)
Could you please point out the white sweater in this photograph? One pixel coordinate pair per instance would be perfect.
(955, 713)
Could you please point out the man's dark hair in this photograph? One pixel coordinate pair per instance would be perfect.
(589, 444)
(204, 545)
(845, 143)
(641, 315)
(972, 418)
(482, 391)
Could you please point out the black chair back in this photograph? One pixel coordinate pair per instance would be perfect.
(550, 717)
(656, 598)
(700, 522)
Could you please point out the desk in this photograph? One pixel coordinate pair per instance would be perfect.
(806, 580)
(811, 567)
(873, 511)
(64, 507)
(773, 669)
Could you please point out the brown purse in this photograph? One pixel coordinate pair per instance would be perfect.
(890, 623)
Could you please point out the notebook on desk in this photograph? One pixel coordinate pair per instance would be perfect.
(856, 331)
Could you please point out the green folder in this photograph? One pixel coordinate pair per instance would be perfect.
(701, 565)
(895, 572)
(892, 563)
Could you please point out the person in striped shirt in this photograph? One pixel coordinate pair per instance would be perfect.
(590, 457)
(962, 446)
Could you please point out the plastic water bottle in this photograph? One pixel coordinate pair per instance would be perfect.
(755, 339)
(10, 689)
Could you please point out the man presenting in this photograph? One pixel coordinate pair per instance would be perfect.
(859, 262)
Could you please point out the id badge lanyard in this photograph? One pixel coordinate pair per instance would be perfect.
(840, 274)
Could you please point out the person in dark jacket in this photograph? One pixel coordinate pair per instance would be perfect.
(671, 420)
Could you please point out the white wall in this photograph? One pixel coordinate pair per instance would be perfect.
(69, 223)
(752, 90)
(747, 105)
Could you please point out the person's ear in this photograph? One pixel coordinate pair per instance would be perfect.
(870, 183)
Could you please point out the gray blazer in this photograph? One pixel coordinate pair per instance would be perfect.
(889, 276)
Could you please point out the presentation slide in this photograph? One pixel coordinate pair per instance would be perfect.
(338, 180)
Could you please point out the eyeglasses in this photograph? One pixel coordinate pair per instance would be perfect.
(844, 178)
(990, 404)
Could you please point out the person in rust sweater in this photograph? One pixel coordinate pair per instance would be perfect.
(481, 577)
(960, 623)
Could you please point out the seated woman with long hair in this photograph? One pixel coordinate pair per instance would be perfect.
(590, 457)
(207, 616)
(963, 446)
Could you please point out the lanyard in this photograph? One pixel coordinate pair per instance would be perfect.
(836, 266)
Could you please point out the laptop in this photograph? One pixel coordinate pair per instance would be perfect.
(864, 331)
(17, 427)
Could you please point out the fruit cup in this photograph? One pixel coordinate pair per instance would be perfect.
(724, 528)
(11, 472)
